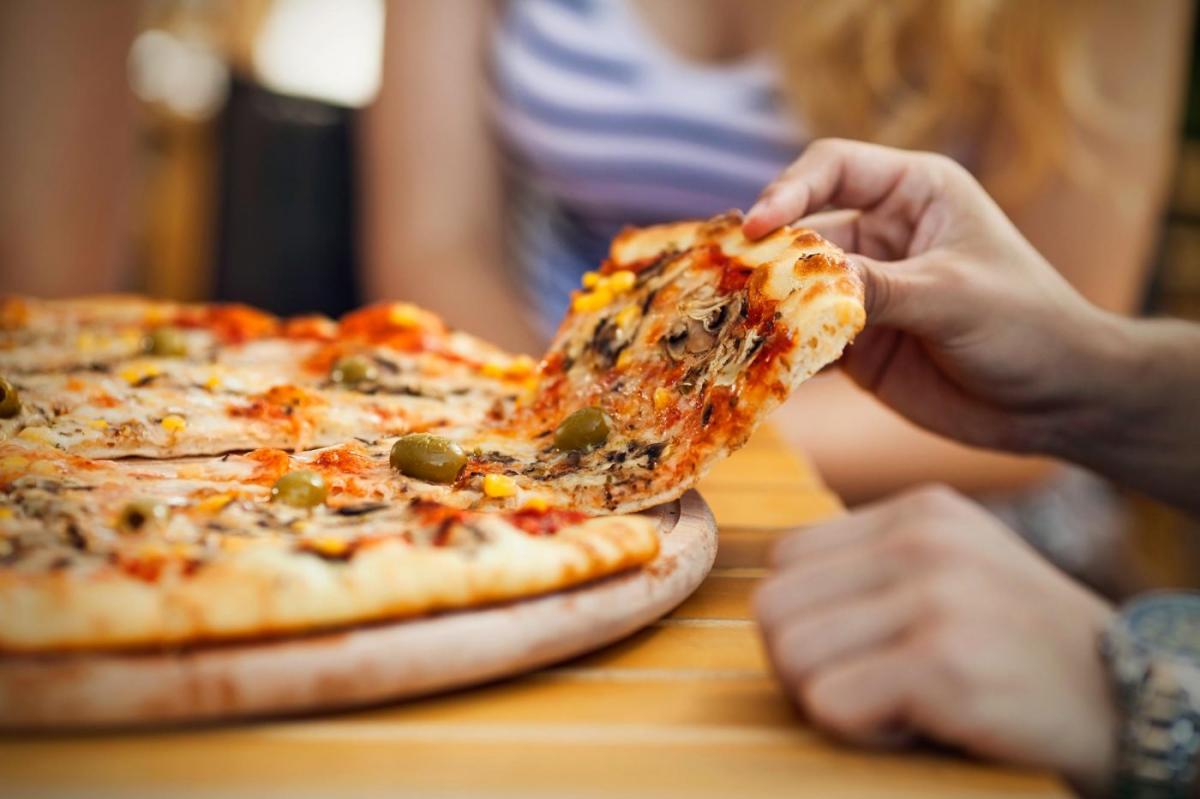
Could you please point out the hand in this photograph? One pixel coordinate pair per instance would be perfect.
(923, 614)
(971, 334)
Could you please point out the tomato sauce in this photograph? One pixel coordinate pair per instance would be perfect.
(544, 522)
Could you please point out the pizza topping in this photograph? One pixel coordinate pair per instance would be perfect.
(352, 370)
(428, 457)
(141, 515)
(499, 486)
(543, 521)
(300, 489)
(10, 400)
(584, 429)
(173, 423)
(361, 509)
(165, 342)
(233, 323)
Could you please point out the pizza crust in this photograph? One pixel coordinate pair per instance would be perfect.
(267, 590)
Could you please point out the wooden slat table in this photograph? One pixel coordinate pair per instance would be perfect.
(686, 708)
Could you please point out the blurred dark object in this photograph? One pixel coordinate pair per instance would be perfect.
(1164, 550)
(285, 239)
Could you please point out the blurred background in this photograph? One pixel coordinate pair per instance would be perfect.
(312, 155)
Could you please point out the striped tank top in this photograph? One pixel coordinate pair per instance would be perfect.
(600, 126)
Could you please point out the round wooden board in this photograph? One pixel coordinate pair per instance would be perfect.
(362, 665)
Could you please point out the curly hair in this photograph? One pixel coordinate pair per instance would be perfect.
(1004, 84)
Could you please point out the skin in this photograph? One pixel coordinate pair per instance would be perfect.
(433, 195)
(922, 614)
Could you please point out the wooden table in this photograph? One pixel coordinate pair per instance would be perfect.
(684, 709)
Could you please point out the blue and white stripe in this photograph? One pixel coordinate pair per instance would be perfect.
(601, 127)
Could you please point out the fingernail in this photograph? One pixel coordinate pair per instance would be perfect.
(757, 208)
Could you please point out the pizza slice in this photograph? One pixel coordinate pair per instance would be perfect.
(672, 354)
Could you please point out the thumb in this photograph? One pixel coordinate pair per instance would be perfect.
(903, 295)
(885, 294)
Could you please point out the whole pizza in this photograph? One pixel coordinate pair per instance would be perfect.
(174, 474)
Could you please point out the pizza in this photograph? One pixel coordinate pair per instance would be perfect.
(175, 474)
(671, 355)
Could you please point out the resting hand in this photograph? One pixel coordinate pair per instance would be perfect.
(924, 614)
(971, 333)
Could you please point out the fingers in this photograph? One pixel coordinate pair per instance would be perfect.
(845, 532)
(812, 582)
(845, 174)
(869, 697)
(839, 227)
(810, 640)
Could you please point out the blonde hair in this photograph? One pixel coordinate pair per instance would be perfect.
(1002, 83)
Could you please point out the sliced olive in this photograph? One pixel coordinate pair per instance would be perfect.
(142, 514)
(300, 489)
(10, 400)
(584, 429)
(428, 457)
(352, 371)
(166, 342)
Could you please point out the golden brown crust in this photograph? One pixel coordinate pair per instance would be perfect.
(270, 590)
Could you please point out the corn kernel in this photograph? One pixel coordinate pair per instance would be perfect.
(39, 435)
(212, 382)
(536, 504)
(333, 547)
(594, 301)
(402, 314)
(521, 366)
(214, 503)
(173, 423)
(662, 398)
(86, 341)
(591, 280)
(155, 315)
(626, 315)
(135, 373)
(6, 513)
(622, 281)
(97, 424)
(492, 369)
(624, 359)
(499, 485)
(13, 463)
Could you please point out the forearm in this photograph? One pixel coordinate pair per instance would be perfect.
(463, 288)
(1141, 426)
(865, 451)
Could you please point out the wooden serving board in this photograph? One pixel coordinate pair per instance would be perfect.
(361, 665)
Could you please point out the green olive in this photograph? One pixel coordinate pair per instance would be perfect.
(428, 457)
(582, 430)
(142, 514)
(10, 400)
(352, 371)
(300, 489)
(166, 342)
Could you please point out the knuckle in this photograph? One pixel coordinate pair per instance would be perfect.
(828, 709)
(916, 542)
(933, 500)
(943, 165)
(940, 595)
(765, 602)
(950, 654)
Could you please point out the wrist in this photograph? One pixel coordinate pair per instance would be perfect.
(1118, 381)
